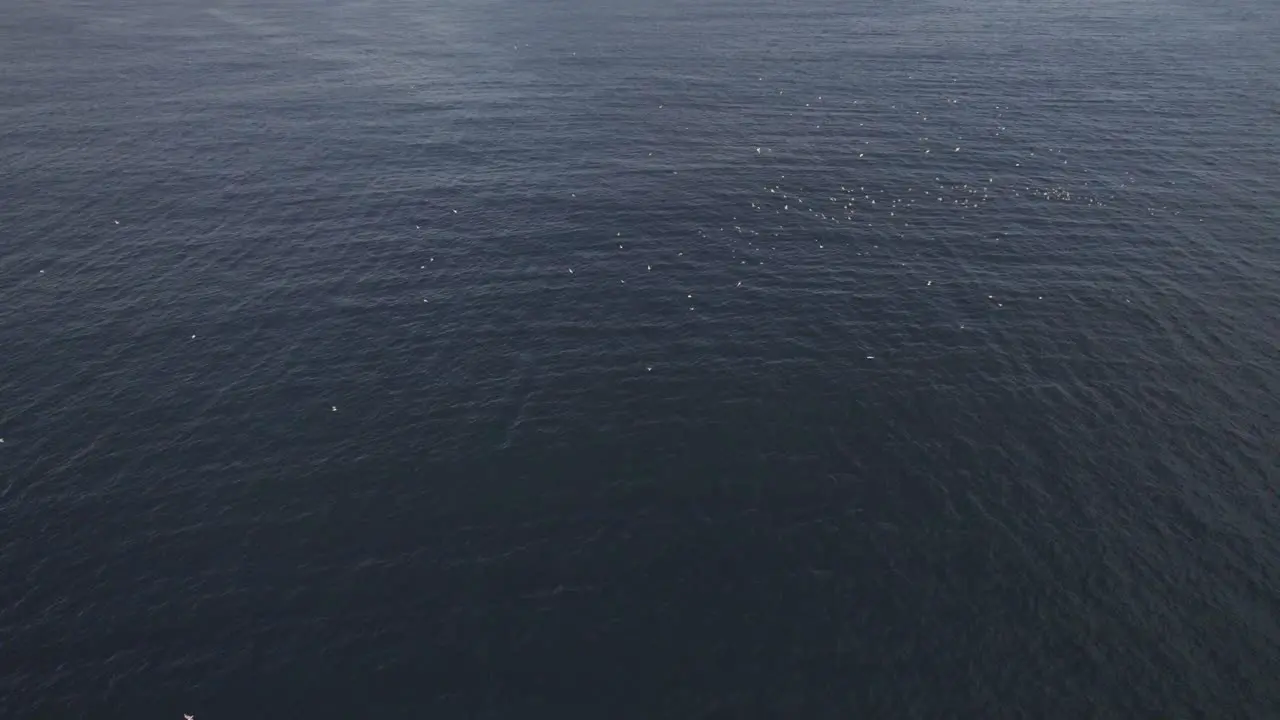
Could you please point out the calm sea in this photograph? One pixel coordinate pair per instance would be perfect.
(639, 359)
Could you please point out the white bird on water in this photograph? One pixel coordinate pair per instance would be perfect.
(188, 717)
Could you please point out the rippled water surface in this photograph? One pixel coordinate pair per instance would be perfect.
(555, 358)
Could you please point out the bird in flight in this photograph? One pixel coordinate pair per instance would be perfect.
(188, 717)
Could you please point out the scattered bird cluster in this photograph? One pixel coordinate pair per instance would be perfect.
(885, 197)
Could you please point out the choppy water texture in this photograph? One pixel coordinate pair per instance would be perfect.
(556, 358)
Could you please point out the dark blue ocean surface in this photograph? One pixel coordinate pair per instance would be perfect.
(569, 359)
